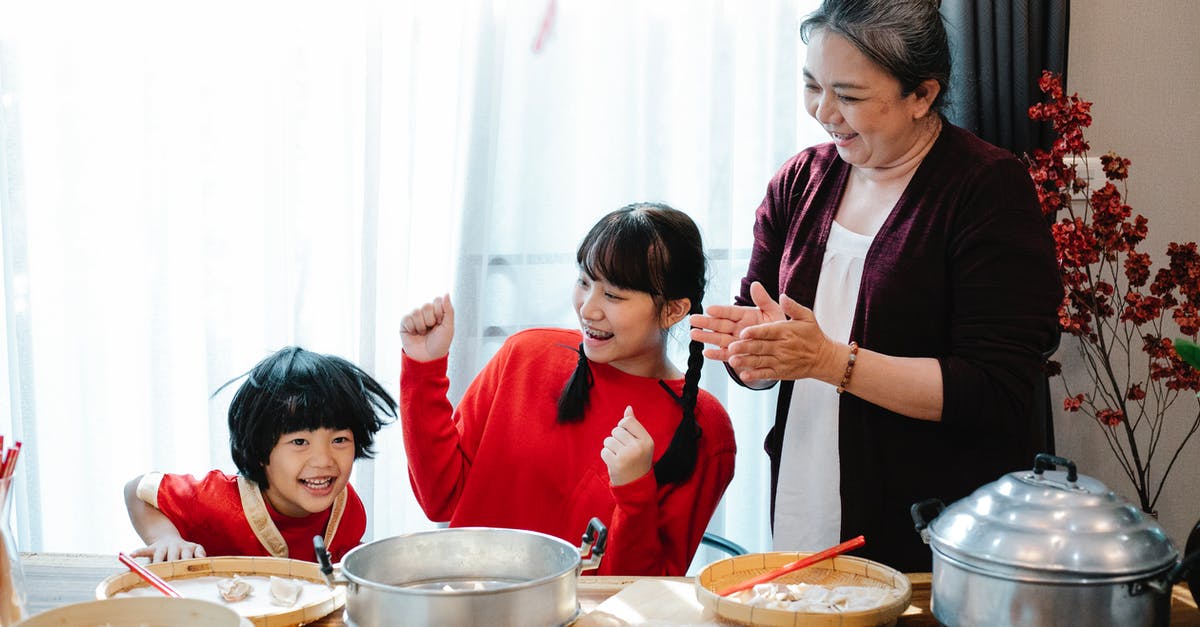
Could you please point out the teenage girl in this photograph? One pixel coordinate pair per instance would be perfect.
(563, 425)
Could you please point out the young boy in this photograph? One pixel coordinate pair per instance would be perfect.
(296, 425)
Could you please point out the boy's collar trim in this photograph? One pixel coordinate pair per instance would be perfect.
(264, 528)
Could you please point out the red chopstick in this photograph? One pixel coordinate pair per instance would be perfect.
(9, 464)
(848, 545)
(150, 577)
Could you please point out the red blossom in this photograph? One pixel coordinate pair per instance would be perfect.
(1050, 84)
(1141, 309)
(1115, 167)
(1135, 393)
(1110, 417)
(1133, 234)
(1110, 289)
(1185, 269)
(1188, 318)
(1137, 268)
(1157, 347)
(1076, 243)
(1164, 282)
(1073, 403)
(1178, 375)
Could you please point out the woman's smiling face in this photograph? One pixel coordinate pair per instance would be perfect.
(860, 104)
(308, 469)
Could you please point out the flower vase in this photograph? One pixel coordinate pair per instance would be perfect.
(12, 576)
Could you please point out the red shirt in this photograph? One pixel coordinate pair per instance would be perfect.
(209, 512)
(500, 459)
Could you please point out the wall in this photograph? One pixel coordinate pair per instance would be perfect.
(1141, 68)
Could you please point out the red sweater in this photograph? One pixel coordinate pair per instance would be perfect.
(501, 459)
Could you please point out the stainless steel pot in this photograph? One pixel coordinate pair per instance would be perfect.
(467, 576)
(1046, 547)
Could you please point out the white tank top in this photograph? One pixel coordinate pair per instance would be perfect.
(808, 506)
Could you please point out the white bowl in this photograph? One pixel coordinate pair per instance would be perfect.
(138, 612)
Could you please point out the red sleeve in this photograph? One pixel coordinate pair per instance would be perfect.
(199, 508)
(655, 531)
(441, 442)
(437, 465)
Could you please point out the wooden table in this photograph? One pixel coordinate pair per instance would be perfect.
(56, 579)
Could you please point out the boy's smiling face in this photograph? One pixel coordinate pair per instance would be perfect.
(308, 469)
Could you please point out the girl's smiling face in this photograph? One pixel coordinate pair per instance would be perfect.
(624, 328)
(308, 469)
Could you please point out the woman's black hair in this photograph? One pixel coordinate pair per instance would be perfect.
(652, 248)
(298, 390)
(905, 37)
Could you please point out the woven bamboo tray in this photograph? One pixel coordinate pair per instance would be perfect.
(160, 611)
(307, 612)
(840, 571)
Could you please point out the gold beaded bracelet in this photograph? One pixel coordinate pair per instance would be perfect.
(849, 367)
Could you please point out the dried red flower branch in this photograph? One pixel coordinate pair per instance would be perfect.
(1110, 301)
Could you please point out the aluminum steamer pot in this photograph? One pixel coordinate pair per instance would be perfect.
(1048, 548)
(466, 576)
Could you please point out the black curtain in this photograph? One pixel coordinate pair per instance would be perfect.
(999, 49)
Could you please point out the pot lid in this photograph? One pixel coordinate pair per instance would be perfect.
(1053, 522)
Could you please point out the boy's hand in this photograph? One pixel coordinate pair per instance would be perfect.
(426, 333)
(169, 550)
(629, 451)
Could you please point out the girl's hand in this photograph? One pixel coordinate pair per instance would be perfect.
(426, 333)
(169, 549)
(629, 451)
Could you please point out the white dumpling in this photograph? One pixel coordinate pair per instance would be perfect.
(234, 589)
(285, 592)
(802, 597)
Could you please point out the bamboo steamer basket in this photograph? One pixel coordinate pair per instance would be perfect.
(160, 611)
(843, 570)
(180, 570)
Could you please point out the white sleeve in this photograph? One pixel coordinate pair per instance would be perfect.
(147, 488)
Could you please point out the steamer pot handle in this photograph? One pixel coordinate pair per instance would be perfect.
(323, 559)
(595, 537)
(1042, 461)
(921, 520)
(1183, 569)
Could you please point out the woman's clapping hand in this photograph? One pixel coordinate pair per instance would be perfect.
(770, 341)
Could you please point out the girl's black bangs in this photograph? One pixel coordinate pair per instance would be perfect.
(625, 251)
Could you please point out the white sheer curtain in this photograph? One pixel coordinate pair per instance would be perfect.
(184, 190)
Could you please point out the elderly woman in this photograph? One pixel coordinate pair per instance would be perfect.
(902, 286)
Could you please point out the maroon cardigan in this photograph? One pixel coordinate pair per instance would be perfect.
(964, 271)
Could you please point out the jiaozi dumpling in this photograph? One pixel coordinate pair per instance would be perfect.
(233, 590)
(285, 591)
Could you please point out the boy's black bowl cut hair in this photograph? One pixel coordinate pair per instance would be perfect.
(296, 390)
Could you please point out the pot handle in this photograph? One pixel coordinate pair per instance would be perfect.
(1042, 461)
(323, 559)
(591, 549)
(920, 517)
(1183, 569)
